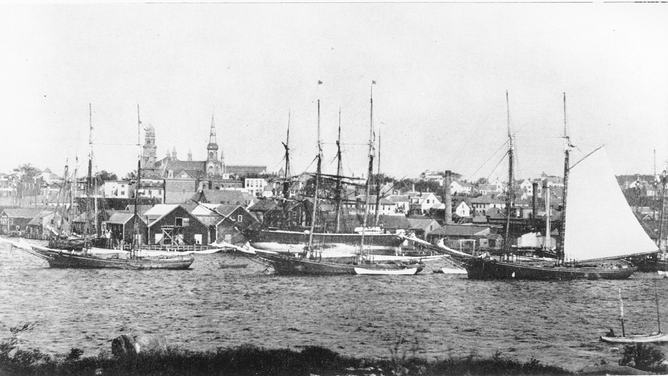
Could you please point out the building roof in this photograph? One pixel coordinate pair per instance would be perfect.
(220, 196)
(160, 209)
(394, 221)
(460, 230)
(122, 217)
(28, 213)
(421, 223)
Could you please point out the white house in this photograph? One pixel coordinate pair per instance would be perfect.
(118, 189)
(460, 188)
(462, 209)
(255, 186)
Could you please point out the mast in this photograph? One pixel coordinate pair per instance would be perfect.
(378, 183)
(89, 181)
(286, 183)
(663, 205)
(339, 166)
(317, 186)
(135, 237)
(548, 210)
(509, 195)
(567, 153)
(370, 172)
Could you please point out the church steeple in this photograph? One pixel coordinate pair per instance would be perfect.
(212, 163)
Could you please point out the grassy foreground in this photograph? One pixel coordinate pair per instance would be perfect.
(251, 360)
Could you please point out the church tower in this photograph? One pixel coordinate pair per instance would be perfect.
(212, 163)
(149, 153)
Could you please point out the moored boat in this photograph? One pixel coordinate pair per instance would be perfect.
(598, 230)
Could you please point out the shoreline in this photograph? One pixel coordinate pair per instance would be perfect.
(253, 360)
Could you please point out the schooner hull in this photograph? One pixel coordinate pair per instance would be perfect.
(479, 268)
(65, 261)
(292, 266)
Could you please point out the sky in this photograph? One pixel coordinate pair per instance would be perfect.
(441, 72)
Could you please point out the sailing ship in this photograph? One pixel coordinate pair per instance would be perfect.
(598, 229)
(66, 238)
(89, 258)
(337, 244)
(657, 337)
(313, 260)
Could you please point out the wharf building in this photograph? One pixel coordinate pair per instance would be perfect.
(183, 178)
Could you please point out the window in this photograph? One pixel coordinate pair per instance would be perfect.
(178, 221)
(240, 218)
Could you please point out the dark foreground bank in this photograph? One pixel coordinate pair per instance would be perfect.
(311, 360)
(251, 360)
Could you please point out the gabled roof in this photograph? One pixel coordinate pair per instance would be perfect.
(38, 219)
(421, 223)
(160, 209)
(122, 217)
(141, 209)
(394, 221)
(28, 213)
(220, 196)
(263, 205)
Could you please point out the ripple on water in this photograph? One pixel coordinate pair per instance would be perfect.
(428, 315)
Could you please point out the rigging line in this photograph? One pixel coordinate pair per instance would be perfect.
(497, 165)
(585, 157)
(490, 158)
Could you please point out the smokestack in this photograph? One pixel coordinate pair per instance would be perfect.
(448, 197)
(535, 194)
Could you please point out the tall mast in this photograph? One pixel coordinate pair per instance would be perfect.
(378, 184)
(662, 212)
(317, 185)
(135, 237)
(369, 173)
(89, 181)
(286, 183)
(567, 153)
(338, 195)
(509, 195)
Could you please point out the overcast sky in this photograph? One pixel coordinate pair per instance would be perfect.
(441, 73)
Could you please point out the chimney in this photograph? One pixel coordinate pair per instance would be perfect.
(448, 197)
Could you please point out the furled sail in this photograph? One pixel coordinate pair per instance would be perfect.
(599, 221)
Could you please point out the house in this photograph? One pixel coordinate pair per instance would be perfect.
(38, 227)
(461, 237)
(421, 203)
(423, 226)
(401, 203)
(235, 219)
(460, 188)
(386, 206)
(17, 219)
(482, 204)
(225, 221)
(121, 224)
(394, 224)
(118, 189)
(255, 186)
(173, 224)
(462, 209)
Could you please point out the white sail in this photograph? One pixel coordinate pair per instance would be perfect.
(599, 221)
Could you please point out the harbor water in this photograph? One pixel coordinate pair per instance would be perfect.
(430, 315)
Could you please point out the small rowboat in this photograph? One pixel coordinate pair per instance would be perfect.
(388, 271)
(651, 338)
